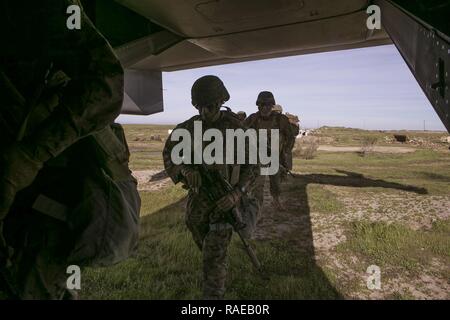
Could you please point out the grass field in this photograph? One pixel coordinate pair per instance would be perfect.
(344, 213)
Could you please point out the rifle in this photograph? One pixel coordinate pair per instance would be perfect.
(217, 187)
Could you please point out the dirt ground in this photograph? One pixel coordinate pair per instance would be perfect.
(381, 149)
(320, 234)
(323, 204)
(151, 180)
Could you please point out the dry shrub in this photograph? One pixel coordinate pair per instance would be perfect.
(155, 138)
(367, 145)
(306, 148)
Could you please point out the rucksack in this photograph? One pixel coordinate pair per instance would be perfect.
(100, 202)
(107, 217)
(103, 211)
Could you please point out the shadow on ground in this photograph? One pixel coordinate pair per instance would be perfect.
(159, 176)
(296, 189)
(170, 260)
(297, 230)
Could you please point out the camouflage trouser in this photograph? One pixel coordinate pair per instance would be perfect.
(213, 243)
(258, 189)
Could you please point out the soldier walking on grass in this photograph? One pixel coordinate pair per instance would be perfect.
(268, 119)
(211, 232)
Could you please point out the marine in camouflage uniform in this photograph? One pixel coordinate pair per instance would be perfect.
(266, 118)
(242, 115)
(211, 234)
(40, 129)
(290, 143)
(290, 140)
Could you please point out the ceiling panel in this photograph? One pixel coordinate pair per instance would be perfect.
(195, 19)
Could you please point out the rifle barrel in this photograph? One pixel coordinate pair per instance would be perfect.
(250, 252)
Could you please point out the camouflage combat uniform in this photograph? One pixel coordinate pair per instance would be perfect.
(211, 236)
(41, 130)
(290, 142)
(273, 121)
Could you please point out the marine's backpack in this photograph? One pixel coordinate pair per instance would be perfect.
(88, 190)
(98, 202)
(107, 217)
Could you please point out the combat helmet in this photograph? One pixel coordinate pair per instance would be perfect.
(265, 97)
(242, 115)
(208, 90)
(277, 108)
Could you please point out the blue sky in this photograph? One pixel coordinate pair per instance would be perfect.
(370, 88)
